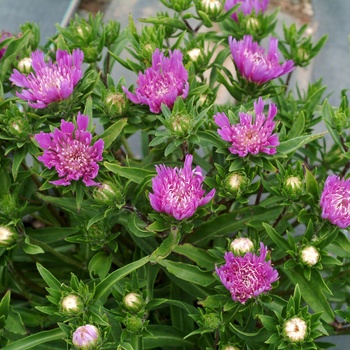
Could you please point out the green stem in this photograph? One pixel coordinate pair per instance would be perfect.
(52, 251)
(136, 342)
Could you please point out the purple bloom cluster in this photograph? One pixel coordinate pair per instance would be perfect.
(247, 7)
(49, 82)
(335, 201)
(250, 136)
(252, 62)
(247, 276)
(178, 191)
(163, 82)
(4, 35)
(68, 150)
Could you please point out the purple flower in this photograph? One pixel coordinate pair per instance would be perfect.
(85, 337)
(161, 83)
(49, 82)
(178, 191)
(247, 7)
(252, 62)
(247, 276)
(335, 201)
(250, 136)
(68, 150)
(4, 35)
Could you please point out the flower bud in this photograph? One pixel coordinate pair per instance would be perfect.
(211, 7)
(229, 347)
(180, 124)
(236, 182)
(194, 54)
(8, 236)
(25, 65)
(253, 24)
(72, 304)
(241, 245)
(108, 193)
(133, 302)
(211, 321)
(295, 329)
(293, 187)
(86, 337)
(309, 255)
(116, 104)
(19, 128)
(133, 323)
(179, 5)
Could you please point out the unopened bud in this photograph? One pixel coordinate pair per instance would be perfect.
(194, 54)
(253, 24)
(310, 255)
(133, 323)
(72, 304)
(116, 104)
(293, 187)
(180, 124)
(211, 7)
(133, 302)
(236, 182)
(241, 245)
(8, 236)
(303, 55)
(86, 337)
(211, 321)
(229, 347)
(25, 65)
(108, 193)
(295, 329)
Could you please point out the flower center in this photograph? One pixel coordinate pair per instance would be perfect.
(75, 156)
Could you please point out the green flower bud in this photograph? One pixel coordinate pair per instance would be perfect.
(19, 128)
(108, 193)
(180, 124)
(194, 54)
(229, 347)
(71, 305)
(116, 104)
(253, 24)
(212, 8)
(309, 255)
(303, 55)
(8, 236)
(211, 321)
(133, 302)
(293, 187)
(295, 329)
(178, 5)
(133, 323)
(25, 65)
(241, 245)
(235, 183)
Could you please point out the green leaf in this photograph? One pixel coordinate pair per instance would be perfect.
(112, 132)
(69, 204)
(100, 264)
(311, 292)
(18, 157)
(4, 307)
(290, 146)
(161, 336)
(48, 277)
(36, 339)
(167, 246)
(134, 174)
(105, 286)
(200, 256)
(167, 21)
(188, 272)
(276, 237)
(228, 223)
(298, 127)
(30, 248)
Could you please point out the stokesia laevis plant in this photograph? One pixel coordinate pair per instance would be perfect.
(186, 204)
